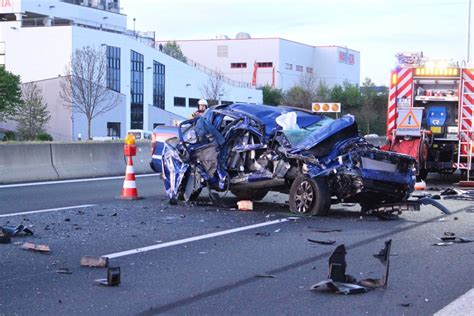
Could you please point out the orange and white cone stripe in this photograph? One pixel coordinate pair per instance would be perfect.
(129, 190)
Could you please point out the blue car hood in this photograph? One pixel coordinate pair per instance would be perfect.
(320, 135)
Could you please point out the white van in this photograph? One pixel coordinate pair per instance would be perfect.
(140, 134)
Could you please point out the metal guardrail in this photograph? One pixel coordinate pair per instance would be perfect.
(212, 72)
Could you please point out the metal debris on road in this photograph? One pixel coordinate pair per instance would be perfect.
(450, 238)
(34, 247)
(63, 271)
(16, 231)
(340, 282)
(94, 262)
(322, 242)
(455, 194)
(324, 231)
(5, 239)
(264, 234)
(113, 277)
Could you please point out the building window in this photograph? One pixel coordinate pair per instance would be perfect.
(158, 85)
(226, 102)
(113, 68)
(309, 70)
(265, 65)
(238, 65)
(113, 129)
(193, 103)
(288, 66)
(178, 101)
(299, 68)
(136, 91)
(222, 51)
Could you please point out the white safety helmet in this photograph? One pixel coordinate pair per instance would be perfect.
(202, 102)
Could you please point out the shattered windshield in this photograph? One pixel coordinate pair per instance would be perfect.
(295, 136)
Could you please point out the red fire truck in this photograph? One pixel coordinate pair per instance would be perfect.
(430, 115)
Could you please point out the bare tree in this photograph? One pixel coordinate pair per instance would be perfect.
(32, 115)
(83, 89)
(213, 89)
(302, 94)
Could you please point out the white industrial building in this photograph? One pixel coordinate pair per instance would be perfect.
(274, 61)
(38, 38)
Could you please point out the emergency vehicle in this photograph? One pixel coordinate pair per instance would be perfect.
(430, 114)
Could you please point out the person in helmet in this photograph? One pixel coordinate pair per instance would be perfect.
(202, 106)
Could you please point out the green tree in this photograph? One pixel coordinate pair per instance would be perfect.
(298, 97)
(174, 50)
(323, 92)
(272, 96)
(10, 94)
(32, 115)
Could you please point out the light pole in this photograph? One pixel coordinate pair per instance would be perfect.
(134, 30)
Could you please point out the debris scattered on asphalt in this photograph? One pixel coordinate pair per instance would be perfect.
(67, 219)
(63, 271)
(264, 275)
(34, 247)
(277, 230)
(114, 214)
(340, 282)
(324, 231)
(322, 242)
(451, 191)
(405, 304)
(245, 205)
(264, 234)
(471, 210)
(94, 262)
(450, 238)
(113, 277)
(16, 231)
(455, 194)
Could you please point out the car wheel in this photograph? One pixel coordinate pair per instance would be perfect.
(309, 196)
(253, 195)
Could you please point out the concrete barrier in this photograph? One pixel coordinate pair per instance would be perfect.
(26, 162)
(141, 162)
(84, 160)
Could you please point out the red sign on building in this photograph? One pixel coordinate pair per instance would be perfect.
(5, 4)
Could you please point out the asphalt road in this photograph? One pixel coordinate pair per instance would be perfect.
(197, 262)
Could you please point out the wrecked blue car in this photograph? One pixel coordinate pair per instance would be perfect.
(250, 149)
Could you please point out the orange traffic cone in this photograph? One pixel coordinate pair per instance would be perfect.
(129, 190)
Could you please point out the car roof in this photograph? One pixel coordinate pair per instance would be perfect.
(268, 113)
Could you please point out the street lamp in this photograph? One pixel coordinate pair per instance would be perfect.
(134, 30)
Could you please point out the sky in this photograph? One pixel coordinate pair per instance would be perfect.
(377, 28)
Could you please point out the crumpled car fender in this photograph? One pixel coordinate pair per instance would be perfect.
(174, 172)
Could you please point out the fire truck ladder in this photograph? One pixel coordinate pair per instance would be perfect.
(466, 126)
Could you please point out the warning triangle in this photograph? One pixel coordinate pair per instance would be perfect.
(409, 121)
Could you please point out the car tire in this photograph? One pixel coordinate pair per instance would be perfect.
(309, 196)
(253, 195)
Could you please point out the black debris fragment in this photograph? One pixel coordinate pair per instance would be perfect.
(63, 271)
(114, 214)
(113, 277)
(450, 238)
(342, 283)
(16, 231)
(405, 304)
(264, 234)
(322, 242)
(324, 231)
(5, 239)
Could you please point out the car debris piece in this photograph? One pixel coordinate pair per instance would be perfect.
(245, 205)
(322, 242)
(94, 262)
(16, 231)
(264, 234)
(34, 247)
(410, 205)
(324, 231)
(113, 277)
(63, 271)
(342, 283)
(463, 195)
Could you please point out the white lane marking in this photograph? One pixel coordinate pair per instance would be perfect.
(463, 305)
(72, 181)
(195, 238)
(47, 210)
